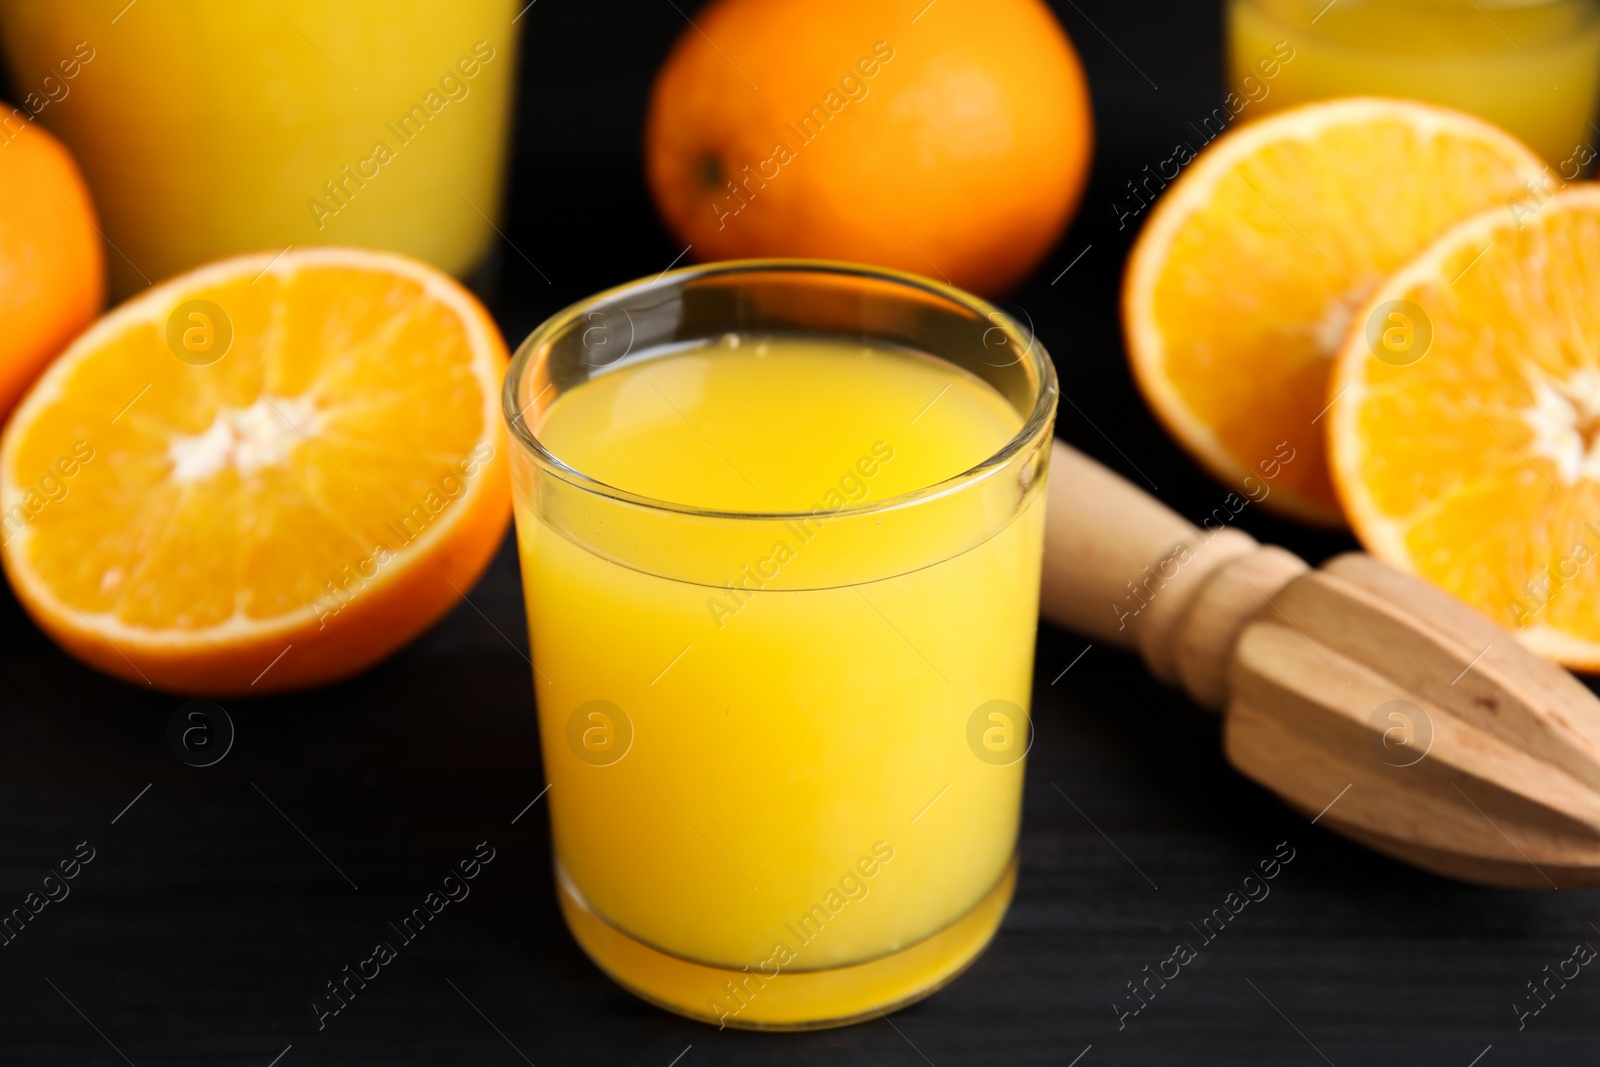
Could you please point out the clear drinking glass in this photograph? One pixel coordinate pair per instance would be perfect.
(210, 129)
(807, 815)
(1529, 66)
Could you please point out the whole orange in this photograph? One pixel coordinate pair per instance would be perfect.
(949, 138)
(52, 266)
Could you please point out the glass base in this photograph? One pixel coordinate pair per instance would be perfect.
(801, 1000)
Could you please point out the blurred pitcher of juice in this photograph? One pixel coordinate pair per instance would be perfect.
(208, 129)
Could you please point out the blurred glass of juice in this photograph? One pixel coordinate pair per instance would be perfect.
(1530, 66)
(208, 129)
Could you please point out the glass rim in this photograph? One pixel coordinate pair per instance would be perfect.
(1037, 420)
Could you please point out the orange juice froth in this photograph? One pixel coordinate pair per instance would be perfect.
(758, 721)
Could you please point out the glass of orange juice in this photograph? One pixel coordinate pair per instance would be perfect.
(1529, 66)
(780, 527)
(208, 129)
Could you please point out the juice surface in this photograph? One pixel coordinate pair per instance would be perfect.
(770, 424)
(782, 774)
(1531, 68)
(209, 129)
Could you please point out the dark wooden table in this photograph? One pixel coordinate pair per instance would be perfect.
(221, 899)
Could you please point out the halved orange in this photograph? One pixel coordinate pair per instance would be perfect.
(1477, 465)
(262, 475)
(1243, 283)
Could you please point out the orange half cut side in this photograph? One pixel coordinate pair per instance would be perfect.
(262, 475)
(1477, 465)
(1245, 280)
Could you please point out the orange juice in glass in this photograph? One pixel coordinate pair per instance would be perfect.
(1530, 66)
(207, 129)
(780, 528)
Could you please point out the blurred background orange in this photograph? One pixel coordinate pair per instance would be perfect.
(52, 271)
(953, 146)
